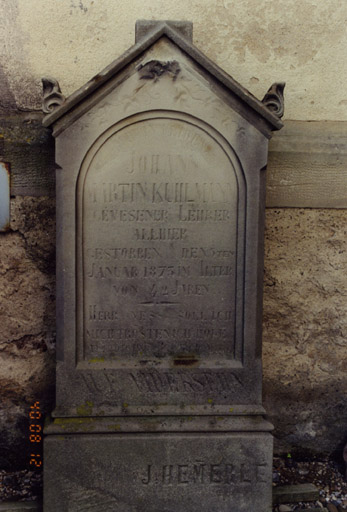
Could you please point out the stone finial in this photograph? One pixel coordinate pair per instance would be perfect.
(52, 96)
(143, 27)
(274, 100)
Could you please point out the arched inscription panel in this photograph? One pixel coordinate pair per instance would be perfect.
(161, 204)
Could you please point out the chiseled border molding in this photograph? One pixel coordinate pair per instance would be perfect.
(307, 165)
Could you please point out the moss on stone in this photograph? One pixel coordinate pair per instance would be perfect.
(86, 409)
(114, 427)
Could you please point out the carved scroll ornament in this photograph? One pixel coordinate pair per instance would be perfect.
(274, 100)
(153, 69)
(52, 96)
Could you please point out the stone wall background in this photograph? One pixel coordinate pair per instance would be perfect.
(257, 41)
(305, 328)
(305, 282)
(27, 312)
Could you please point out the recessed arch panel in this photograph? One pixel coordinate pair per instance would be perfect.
(160, 245)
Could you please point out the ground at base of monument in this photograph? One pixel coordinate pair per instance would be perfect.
(27, 485)
(324, 473)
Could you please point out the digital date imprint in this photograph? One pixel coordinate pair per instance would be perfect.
(35, 436)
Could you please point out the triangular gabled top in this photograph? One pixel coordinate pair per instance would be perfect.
(147, 33)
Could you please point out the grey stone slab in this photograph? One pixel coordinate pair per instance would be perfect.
(23, 506)
(182, 423)
(158, 473)
(295, 493)
(160, 219)
(176, 261)
(314, 509)
(159, 304)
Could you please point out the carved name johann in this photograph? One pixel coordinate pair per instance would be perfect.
(160, 230)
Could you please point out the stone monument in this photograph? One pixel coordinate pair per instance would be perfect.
(161, 163)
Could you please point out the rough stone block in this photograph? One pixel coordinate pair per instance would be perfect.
(158, 472)
(24, 506)
(295, 493)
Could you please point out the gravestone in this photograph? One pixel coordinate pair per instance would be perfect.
(160, 214)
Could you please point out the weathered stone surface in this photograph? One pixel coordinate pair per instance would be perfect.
(304, 392)
(181, 473)
(298, 392)
(160, 240)
(255, 42)
(142, 27)
(305, 328)
(295, 493)
(284, 508)
(165, 285)
(29, 506)
(27, 298)
(306, 168)
(160, 222)
(29, 149)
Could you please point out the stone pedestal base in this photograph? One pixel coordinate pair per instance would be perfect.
(158, 472)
